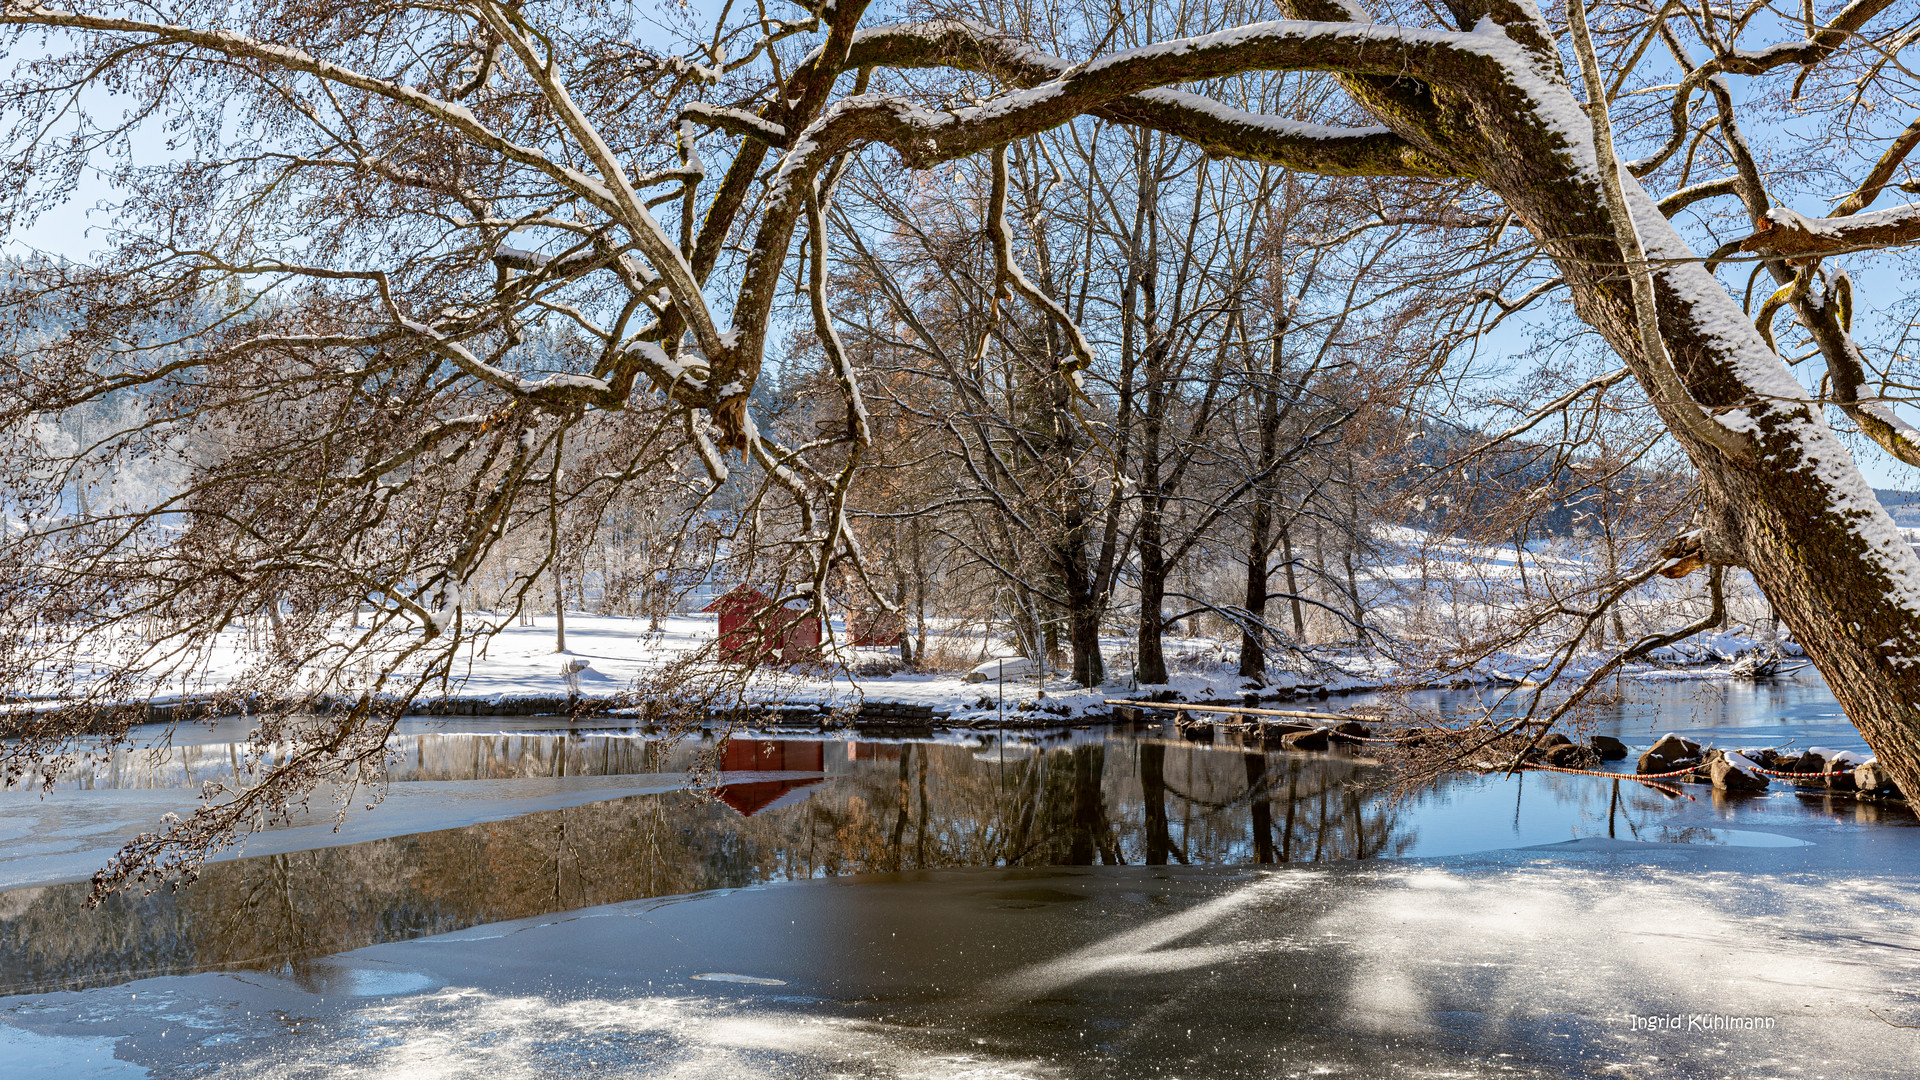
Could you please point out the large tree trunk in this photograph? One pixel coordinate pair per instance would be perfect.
(1069, 548)
(1794, 510)
(1149, 541)
(1083, 620)
(1253, 651)
(1792, 507)
(1848, 600)
(1153, 591)
(1253, 648)
(1083, 602)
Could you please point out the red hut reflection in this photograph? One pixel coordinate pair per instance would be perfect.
(770, 756)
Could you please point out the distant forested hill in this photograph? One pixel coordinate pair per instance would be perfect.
(1903, 505)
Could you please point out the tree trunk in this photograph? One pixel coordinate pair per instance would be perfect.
(1794, 511)
(1790, 505)
(1353, 591)
(1322, 572)
(1152, 664)
(1253, 648)
(1089, 669)
(1070, 553)
(1792, 508)
(1149, 539)
(1836, 589)
(1354, 530)
(1083, 605)
(900, 575)
(919, 595)
(907, 654)
(1293, 583)
(1613, 571)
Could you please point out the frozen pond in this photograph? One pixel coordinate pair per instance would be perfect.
(1081, 903)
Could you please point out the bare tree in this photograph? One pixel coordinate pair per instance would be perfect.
(384, 201)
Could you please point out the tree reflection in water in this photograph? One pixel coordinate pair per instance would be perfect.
(884, 807)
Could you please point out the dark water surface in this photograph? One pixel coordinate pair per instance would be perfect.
(1150, 910)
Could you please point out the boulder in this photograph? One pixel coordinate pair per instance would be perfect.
(1733, 772)
(1808, 762)
(1554, 739)
(1872, 778)
(1570, 756)
(1670, 753)
(1315, 739)
(1351, 731)
(1608, 747)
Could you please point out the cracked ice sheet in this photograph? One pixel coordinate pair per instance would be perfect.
(1529, 965)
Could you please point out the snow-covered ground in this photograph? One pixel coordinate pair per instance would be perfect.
(1430, 593)
(521, 661)
(613, 654)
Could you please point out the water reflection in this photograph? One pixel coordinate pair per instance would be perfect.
(878, 807)
(1723, 712)
(416, 756)
(781, 809)
(770, 755)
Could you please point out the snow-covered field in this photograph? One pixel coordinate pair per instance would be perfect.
(521, 661)
(1426, 594)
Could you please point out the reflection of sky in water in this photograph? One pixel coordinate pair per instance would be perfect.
(1727, 712)
(1482, 813)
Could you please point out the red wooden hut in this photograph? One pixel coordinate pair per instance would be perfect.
(754, 630)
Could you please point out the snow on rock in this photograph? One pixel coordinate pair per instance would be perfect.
(1839, 759)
